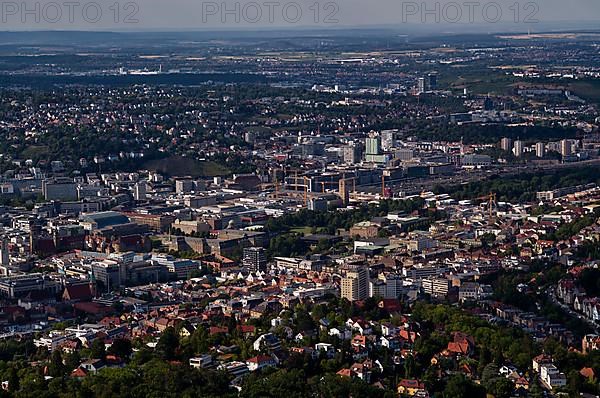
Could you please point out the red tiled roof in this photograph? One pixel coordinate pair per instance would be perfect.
(260, 359)
(78, 292)
(411, 383)
(79, 372)
(91, 308)
(345, 373)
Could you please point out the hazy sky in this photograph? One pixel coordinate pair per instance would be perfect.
(228, 14)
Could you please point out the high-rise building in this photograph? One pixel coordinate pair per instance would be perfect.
(373, 151)
(540, 149)
(388, 139)
(432, 81)
(437, 287)
(373, 146)
(377, 288)
(506, 144)
(565, 147)
(139, 191)
(108, 272)
(386, 286)
(393, 285)
(421, 85)
(4, 254)
(255, 259)
(184, 186)
(518, 148)
(355, 285)
(351, 154)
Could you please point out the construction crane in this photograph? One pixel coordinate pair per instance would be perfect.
(491, 203)
(306, 191)
(277, 180)
(323, 183)
(353, 187)
(353, 179)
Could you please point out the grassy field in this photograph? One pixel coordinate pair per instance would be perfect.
(482, 82)
(302, 230)
(586, 89)
(34, 152)
(497, 83)
(178, 166)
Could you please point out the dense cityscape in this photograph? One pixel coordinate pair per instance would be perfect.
(345, 214)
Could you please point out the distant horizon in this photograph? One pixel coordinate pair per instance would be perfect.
(253, 15)
(413, 28)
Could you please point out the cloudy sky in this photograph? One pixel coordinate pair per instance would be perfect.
(497, 15)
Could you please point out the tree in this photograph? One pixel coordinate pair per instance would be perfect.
(56, 368)
(458, 386)
(409, 367)
(72, 361)
(574, 382)
(121, 348)
(490, 372)
(168, 343)
(501, 387)
(281, 383)
(13, 379)
(98, 350)
(535, 390)
(303, 320)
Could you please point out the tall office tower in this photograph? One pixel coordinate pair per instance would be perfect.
(394, 286)
(432, 81)
(255, 259)
(388, 139)
(373, 146)
(355, 285)
(4, 254)
(540, 149)
(506, 144)
(184, 185)
(351, 154)
(139, 191)
(388, 286)
(565, 147)
(518, 148)
(421, 85)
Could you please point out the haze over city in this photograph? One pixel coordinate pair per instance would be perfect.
(300, 199)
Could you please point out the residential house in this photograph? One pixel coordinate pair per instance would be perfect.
(259, 362)
(410, 387)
